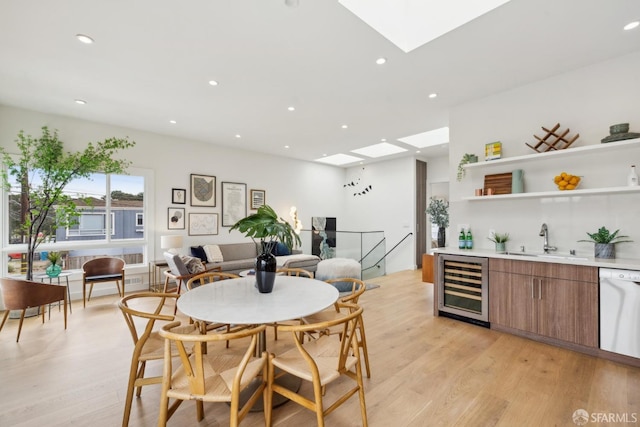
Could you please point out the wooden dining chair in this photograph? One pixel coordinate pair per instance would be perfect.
(321, 361)
(219, 375)
(149, 307)
(298, 272)
(20, 294)
(99, 270)
(207, 278)
(357, 289)
(289, 271)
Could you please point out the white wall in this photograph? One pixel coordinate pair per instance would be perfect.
(388, 207)
(587, 101)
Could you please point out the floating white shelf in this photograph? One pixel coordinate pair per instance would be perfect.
(558, 193)
(588, 149)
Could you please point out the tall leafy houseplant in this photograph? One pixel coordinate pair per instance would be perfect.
(43, 169)
(438, 211)
(269, 229)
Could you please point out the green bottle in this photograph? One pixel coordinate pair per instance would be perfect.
(462, 240)
(469, 240)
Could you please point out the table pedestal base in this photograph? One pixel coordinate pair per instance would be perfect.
(289, 381)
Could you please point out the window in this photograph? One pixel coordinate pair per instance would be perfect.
(123, 235)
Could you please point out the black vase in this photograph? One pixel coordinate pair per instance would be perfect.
(265, 272)
(441, 237)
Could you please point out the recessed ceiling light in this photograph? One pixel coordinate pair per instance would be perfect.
(383, 139)
(80, 101)
(286, 146)
(631, 25)
(381, 61)
(417, 151)
(379, 150)
(433, 95)
(84, 38)
(291, 108)
(344, 126)
(237, 136)
(173, 122)
(213, 83)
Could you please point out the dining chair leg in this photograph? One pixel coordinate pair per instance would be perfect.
(4, 319)
(24, 310)
(363, 344)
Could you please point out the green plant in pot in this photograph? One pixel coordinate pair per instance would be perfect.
(54, 269)
(466, 158)
(500, 240)
(605, 242)
(438, 210)
(269, 229)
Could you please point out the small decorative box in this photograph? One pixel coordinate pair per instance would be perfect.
(492, 151)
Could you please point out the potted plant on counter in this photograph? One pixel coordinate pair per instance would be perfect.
(605, 242)
(266, 226)
(500, 239)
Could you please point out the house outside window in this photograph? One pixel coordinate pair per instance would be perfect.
(123, 236)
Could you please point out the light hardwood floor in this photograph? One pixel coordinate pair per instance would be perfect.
(426, 371)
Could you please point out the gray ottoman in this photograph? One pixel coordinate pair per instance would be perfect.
(335, 268)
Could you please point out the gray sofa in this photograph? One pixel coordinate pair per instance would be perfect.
(242, 256)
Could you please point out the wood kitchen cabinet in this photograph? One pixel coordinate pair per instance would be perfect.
(557, 301)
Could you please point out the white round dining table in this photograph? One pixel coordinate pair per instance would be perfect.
(237, 301)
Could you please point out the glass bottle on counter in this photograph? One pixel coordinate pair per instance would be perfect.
(462, 240)
(632, 179)
(469, 240)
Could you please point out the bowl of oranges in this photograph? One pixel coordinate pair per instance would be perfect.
(566, 181)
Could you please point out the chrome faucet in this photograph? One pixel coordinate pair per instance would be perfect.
(544, 232)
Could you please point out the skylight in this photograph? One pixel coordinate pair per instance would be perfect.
(379, 150)
(427, 139)
(338, 159)
(411, 23)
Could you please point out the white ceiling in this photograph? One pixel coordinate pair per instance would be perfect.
(152, 61)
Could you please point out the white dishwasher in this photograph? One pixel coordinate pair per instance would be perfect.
(620, 311)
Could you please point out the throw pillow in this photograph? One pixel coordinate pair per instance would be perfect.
(281, 249)
(193, 264)
(214, 254)
(198, 252)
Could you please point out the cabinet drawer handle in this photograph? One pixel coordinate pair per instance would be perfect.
(532, 283)
(540, 288)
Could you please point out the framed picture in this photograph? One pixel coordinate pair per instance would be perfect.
(178, 196)
(203, 190)
(257, 198)
(203, 224)
(234, 202)
(175, 218)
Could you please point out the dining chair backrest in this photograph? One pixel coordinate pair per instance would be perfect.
(357, 288)
(209, 277)
(298, 272)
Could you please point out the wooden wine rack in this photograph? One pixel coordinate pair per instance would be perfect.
(553, 140)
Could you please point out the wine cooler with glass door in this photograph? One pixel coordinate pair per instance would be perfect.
(462, 287)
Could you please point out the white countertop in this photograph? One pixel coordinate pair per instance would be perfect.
(558, 258)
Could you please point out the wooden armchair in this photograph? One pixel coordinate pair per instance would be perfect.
(98, 270)
(357, 288)
(213, 375)
(321, 361)
(22, 294)
(137, 309)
